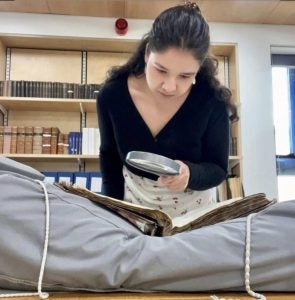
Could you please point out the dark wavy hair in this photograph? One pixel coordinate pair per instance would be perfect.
(182, 27)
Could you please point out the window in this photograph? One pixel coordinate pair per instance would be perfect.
(283, 85)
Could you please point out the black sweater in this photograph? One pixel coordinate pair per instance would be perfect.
(198, 135)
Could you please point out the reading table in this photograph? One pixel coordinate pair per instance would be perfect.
(159, 296)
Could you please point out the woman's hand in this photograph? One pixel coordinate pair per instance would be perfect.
(179, 182)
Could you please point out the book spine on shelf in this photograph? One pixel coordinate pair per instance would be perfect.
(20, 145)
(54, 140)
(46, 140)
(66, 143)
(29, 140)
(13, 140)
(37, 140)
(1, 138)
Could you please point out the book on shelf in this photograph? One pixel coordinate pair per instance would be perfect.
(50, 177)
(7, 139)
(28, 149)
(157, 223)
(54, 140)
(81, 179)
(232, 187)
(46, 140)
(37, 139)
(235, 187)
(20, 144)
(65, 177)
(90, 141)
(13, 140)
(1, 138)
(95, 182)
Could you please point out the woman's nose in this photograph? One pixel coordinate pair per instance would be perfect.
(169, 85)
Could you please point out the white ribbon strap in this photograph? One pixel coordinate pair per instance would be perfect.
(45, 248)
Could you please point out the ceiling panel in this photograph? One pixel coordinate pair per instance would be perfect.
(284, 13)
(143, 9)
(241, 11)
(33, 6)
(101, 8)
(235, 11)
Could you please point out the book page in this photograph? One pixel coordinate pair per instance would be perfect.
(197, 213)
(220, 212)
(160, 217)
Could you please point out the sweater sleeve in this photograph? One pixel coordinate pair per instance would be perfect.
(215, 148)
(110, 162)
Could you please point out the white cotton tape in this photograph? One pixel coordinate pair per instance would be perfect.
(247, 265)
(44, 256)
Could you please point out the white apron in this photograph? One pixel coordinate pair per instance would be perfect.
(143, 191)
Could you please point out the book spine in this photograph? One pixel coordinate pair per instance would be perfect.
(13, 140)
(7, 139)
(1, 138)
(54, 140)
(46, 140)
(60, 143)
(20, 145)
(29, 131)
(37, 140)
(66, 145)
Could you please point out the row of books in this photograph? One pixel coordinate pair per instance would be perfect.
(48, 140)
(33, 140)
(45, 89)
(230, 188)
(89, 180)
(86, 142)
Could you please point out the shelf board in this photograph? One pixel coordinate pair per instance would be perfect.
(236, 157)
(72, 157)
(48, 104)
(51, 157)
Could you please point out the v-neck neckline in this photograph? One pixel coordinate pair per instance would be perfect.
(168, 123)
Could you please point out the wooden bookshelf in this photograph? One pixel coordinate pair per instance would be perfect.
(48, 104)
(51, 157)
(42, 59)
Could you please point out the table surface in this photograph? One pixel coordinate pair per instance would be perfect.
(159, 296)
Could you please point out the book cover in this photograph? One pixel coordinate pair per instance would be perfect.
(163, 224)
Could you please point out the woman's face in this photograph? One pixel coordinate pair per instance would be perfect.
(171, 73)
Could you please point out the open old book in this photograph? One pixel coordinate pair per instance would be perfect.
(157, 223)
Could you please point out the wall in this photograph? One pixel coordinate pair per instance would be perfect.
(254, 42)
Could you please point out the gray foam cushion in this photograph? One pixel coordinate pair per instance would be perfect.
(92, 249)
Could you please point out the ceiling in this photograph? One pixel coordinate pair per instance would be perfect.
(234, 11)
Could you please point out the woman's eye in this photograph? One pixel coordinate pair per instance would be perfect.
(161, 71)
(185, 77)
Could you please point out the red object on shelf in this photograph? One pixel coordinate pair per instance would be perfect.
(121, 26)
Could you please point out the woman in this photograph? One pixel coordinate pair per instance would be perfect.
(166, 100)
